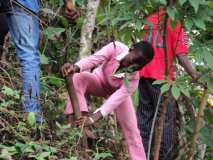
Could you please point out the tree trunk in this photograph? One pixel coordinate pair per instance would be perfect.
(160, 126)
(198, 123)
(87, 28)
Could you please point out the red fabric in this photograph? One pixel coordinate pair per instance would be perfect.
(177, 43)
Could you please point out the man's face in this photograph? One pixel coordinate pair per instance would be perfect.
(132, 60)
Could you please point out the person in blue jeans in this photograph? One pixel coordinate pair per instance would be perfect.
(23, 23)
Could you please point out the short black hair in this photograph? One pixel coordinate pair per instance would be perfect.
(145, 49)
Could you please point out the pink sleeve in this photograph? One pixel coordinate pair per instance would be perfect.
(119, 96)
(180, 40)
(99, 57)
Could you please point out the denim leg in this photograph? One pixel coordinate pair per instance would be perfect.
(24, 29)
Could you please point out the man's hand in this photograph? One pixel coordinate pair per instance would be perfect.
(89, 120)
(70, 11)
(68, 68)
(84, 120)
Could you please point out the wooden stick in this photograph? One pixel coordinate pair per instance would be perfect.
(75, 106)
(73, 97)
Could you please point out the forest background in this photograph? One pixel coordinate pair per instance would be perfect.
(63, 41)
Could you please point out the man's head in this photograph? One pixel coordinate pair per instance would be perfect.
(140, 54)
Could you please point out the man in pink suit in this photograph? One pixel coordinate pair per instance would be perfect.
(104, 81)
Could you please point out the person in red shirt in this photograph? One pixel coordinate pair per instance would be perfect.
(177, 45)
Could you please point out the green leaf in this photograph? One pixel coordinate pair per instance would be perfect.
(53, 32)
(126, 81)
(43, 155)
(164, 88)
(5, 155)
(209, 115)
(44, 59)
(58, 82)
(188, 24)
(159, 82)
(7, 91)
(73, 158)
(162, 2)
(206, 135)
(64, 22)
(10, 92)
(185, 91)
(138, 25)
(104, 155)
(182, 2)
(80, 22)
(199, 23)
(210, 84)
(208, 57)
(31, 118)
(195, 4)
(173, 24)
(175, 91)
(171, 13)
(135, 98)
(11, 149)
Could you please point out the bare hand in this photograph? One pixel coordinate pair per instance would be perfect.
(70, 11)
(84, 120)
(67, 69)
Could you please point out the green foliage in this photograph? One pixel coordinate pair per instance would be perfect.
(195, 4)
(126, 81)
(53, 32)
(165, 88)
(124, 20)
(44, 59)
(135, 98)
(175, 91)
(31, 118)
(11, 97)
(99, 156)
(171, 13)
(10, 92)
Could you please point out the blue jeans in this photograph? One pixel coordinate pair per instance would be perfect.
(24, 30)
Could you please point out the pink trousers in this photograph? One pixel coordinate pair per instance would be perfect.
(90, 83)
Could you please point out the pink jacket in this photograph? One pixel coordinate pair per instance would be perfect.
(107, 61)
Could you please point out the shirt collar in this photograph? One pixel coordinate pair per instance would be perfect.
(121, 56)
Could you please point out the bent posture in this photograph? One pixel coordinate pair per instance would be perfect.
(104, 81)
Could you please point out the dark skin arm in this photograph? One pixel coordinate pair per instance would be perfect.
(89, 120)
(67, 69)
(70, 11)
(185, 63)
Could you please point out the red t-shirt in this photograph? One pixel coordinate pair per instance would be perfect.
(177, 44)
